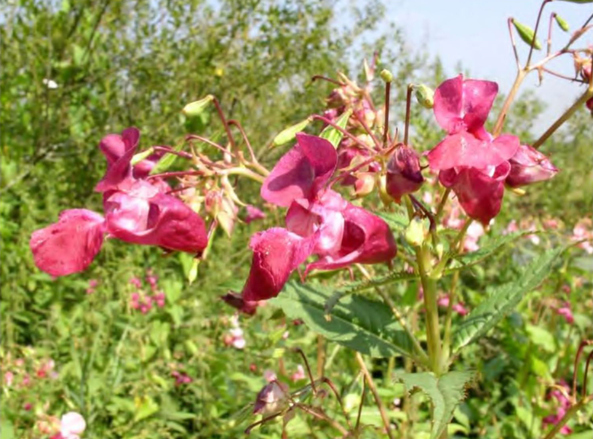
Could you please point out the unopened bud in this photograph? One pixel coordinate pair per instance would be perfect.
(272, 399)
(404, 175)
(424, 95)
(364, 184)
(416, 232)
(290, 133)
(195, 108)
(527, 34)
(141, 156)
(386, 75)
(562, 23)
(440, 250)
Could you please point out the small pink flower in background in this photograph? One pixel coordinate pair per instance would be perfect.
(474, 232)
(563, 402)
(299, 374)
(93, 283)
(270, 375)
(566, 289)
(159, 298)
(152, 279)
(566, 312)
(234, 337)
(583, 230)
(27, 406)
(253, 214)
(72, 425)
(8, 378)
(551, 223)
(458, 307)
(136, 282)
(181, 378)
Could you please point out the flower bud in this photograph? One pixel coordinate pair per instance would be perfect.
(404, 175)
(526, 34)
(364, 184)
(195, 108)
(424, 95)
(528, 166)
(386, 75)
(290, 133)
(416, 232)
(561, 22)
(272, 399)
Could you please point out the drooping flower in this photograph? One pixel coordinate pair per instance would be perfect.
(470, 160)
(528, 166)
(404, 175)
(72, 425)
(273, 398)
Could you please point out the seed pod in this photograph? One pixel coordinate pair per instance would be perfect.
(562, 23)
(424, 95)
(290, 133)
(195, 108)
(386, 75)
(527, 34)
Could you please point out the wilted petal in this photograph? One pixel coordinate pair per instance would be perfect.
(367, 239)
(253, 214)
(276, 254)
(479, 193)
(528, 166)
(464, 149)
(69, 245)
(463, 105)
(301, 172)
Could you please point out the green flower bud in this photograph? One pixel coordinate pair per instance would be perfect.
(333, 135)
(290, 133)
(416, 232)
(527, 34)
(141, 156)
(386, 75)
(562, 23)
(195, 108)
(424, 95)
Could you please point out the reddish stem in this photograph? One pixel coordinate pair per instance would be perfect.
(185, 155)
(408, 106)
(210, 142)
(325, 78)
(175, 174)
(386, 123)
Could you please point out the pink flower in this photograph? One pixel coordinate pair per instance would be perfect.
(566, 312)
(473, 235)
(563, 404)
(72, 425)
(471, 162)
(458, 307)
(271, 399)
(253, 214)
(528, 166)
(8, 378)
(404, 175)
(583, 230)
(70, 245)
(270, 375)
(299, 374)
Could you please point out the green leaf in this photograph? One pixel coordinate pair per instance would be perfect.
(334, 135)
(486, 250)
(527, 34)
(445, 393)
(397, 221)
(503, 300)
(365, 325)
(145, 407)
(166, 161)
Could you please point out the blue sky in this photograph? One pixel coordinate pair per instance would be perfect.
(474, 32)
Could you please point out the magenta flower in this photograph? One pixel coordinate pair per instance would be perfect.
(253, 214)
(404, 175)
(528, 166)
(566, 312)
(471, 162)
(69, 245)
(319, 221)
(136, 211)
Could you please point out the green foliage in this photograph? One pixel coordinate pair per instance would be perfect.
(445, 393)
(365, 325)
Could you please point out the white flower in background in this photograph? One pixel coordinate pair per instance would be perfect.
(72, 425)
(50, 83)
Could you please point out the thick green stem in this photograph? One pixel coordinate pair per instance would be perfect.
(429, 286)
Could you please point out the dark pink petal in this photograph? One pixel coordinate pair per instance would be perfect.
(119, 153)
(479, 192)
(253, 214)
(528, 166)
(301, 172)
(276, 254)
(367, 239)
(160, 220)
(463, 105)
(69, 245)
(464, 149)
(236, 301)
(404, 175)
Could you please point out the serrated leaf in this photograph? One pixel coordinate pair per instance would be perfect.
(445, 393)
(503, 300)
(527, 34)
(487, 249)
(333, 135)
(166, 161)
(365, 325)
(397, 221)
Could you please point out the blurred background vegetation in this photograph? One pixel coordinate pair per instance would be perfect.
(120, 63)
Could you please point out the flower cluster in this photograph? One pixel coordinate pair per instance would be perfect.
(138, 209)
(141, 300)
